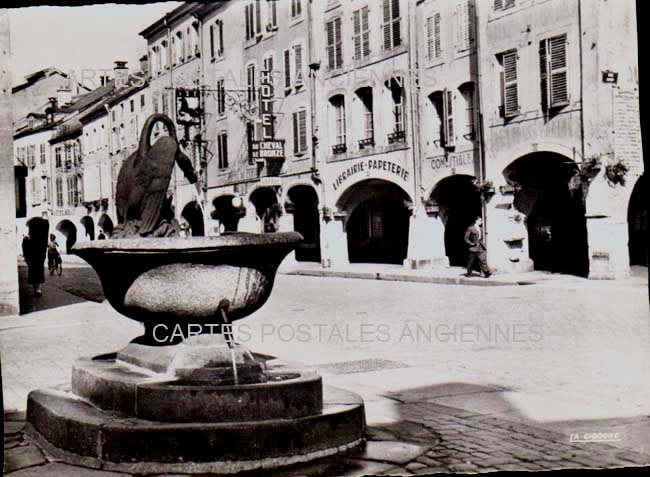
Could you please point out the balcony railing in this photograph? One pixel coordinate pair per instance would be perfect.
(367, 142)
(339, 148)
(397, 136)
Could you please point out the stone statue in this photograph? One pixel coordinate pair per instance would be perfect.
(144, 207)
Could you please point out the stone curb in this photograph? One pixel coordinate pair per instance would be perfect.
(388, 276)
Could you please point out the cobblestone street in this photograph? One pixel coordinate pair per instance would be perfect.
(454, 378)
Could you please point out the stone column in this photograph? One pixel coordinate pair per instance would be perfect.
(334, 241)
(250, 222)
(507, 236)
(426, 248)
(285, 224)
(8, 246)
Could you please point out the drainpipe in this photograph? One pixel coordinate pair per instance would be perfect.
(170, 97)
(481, 120)
(312, 80)
(109, 133)
(203, 158)
(414, 108)
(582, 99)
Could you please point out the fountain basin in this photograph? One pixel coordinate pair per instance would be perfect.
(186, 280)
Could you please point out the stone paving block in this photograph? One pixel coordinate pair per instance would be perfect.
(21, 457)
(390, 451)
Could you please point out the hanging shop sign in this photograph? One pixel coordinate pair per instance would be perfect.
(263, 150)
(188, 107)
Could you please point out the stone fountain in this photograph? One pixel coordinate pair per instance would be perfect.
(184, 396)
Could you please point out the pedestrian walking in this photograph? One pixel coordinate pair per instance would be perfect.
(53, 254)
(34, 261)
(477, 250)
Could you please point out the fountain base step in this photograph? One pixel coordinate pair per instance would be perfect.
(72, 430)
(114, 386)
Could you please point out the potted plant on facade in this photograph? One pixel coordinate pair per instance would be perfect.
(585, 173)
(615, 173)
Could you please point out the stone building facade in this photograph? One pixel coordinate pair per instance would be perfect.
(380, 130)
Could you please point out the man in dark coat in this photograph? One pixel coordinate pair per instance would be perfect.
(474, 239)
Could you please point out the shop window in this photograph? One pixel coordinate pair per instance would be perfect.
(361, 33)
(554, 72)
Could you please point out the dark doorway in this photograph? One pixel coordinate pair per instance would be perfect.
(20, 174)
(267, 208)
(460, 205)
(68, 229)
(378, 222)
(194, 217)
(637, 219)
(89, 226)
(227, 213)
(306, 222)
(106, 224)
(556, 224)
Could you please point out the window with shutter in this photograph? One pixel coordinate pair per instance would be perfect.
(287, 69)
(467, 90)
(295, 133)
(334, 44)
(302, 129)
(554, 72)
(272, 14)
(42, 153)
(503, 4)
(509, 84)
(464, 26)
(448, 105)
(250, 83)
(222, 150)
(296, 8)
(220, 36)
(434, 37)
(391, 24)
(249, 16)
(221, 97)
(338, 112)
(297, 59)
(212, 46)
(361, 34)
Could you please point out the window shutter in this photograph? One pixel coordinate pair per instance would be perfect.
(559, 71)
(287, 69)
(498, 4)
(365, 28)
(212, 49)
(543, 74)
(429, 33)
(297, 58)
(247, 20)
(510, 88)
(356, 23)
(295, 132)
(220, 25)
(302, 129)
(338, 42)
(397, 39)
(258, 17)
(448, 117)
(225, 150)
(330, 45)
(386, 25)
(465, 26)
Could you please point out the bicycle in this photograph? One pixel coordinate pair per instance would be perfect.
(55, 265)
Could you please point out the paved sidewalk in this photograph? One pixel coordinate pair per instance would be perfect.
(447, 275)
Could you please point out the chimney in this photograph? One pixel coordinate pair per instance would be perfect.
(103, 80)
(144, 65)
(121, 74)
(53, 102)
(64, 95)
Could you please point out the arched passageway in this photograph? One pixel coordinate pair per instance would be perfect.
(304, 202)
(267, 208)
(227, 210)
(194, 217)
(106, 225)
(556, 224)
(68, 229)
(459, 203)
(637, 219)
(377, 223)
(89, 227)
